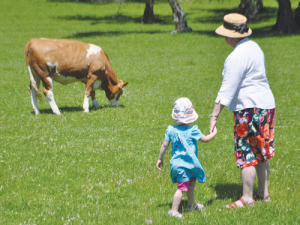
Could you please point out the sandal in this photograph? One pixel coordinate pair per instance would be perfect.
(234, 205)
(175, 214)
(265, 199)
(195, 206)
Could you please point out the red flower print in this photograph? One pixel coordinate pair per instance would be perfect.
(260, 142)
(259, 156)
(242, 129)
(262, 118)
(254, 149)
(267, 146)
(265, 130)
(271, 137)
(252, 141)
(257, 141)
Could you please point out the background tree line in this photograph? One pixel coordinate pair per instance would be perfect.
(288, 22)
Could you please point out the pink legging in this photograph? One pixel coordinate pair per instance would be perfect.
(184, 186)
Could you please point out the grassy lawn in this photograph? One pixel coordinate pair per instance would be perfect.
(99, 168)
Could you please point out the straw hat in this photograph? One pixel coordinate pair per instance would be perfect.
(183, 111)
(234, 26)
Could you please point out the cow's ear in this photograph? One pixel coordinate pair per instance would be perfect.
(124, 84)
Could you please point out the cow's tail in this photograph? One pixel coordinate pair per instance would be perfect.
(28, 52)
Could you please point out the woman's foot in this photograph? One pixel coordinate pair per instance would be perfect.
(263, 199)
(239, 204)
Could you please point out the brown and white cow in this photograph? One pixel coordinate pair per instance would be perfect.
(68, 61)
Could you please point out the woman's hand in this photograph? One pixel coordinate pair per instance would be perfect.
(213, 124)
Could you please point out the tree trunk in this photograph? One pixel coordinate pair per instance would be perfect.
(297, 15)
(179, 18)
(285, 21)
(251, 8)
(148, 16)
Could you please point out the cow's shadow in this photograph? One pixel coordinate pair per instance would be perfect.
(68, 109)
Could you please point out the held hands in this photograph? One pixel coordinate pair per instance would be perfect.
(213, 125)
(214, 131)
(159, 164)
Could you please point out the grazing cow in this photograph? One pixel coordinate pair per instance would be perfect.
(68, 61)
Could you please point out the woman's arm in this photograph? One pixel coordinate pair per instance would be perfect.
(213, 118)
(163, 149)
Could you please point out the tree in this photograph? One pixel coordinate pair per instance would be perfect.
(178, 15)
(148, 16)
(179, 18)
(297, 15)
(285, 21)
(251, 8)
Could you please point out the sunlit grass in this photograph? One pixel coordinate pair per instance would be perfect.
(99, 167)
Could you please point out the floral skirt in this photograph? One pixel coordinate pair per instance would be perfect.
(254, 136)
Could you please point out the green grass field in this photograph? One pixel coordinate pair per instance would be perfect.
(99, 168)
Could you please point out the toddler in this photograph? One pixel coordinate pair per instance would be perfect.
(185, 166)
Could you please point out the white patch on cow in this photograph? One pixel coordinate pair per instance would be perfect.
(52, 66)
(58, 77)
(50, 98)
(97, 85)
(114, 102)
(33, 95)
(64, 80)
(86, 104)
(94, 49)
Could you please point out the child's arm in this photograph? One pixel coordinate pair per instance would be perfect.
(208, 138)
(163, 149)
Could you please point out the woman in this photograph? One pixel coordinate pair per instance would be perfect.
(245, 90)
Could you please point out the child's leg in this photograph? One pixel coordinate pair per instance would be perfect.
(262, 170)
(176, 201)
(190, 193)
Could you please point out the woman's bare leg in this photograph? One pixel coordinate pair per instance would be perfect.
(262, 170)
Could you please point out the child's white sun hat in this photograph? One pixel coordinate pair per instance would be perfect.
(184, 112)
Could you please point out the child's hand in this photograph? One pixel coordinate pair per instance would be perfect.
(159, 164)
(215, 130)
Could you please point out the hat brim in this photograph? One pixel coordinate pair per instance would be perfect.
(222, 31)
(185, 120)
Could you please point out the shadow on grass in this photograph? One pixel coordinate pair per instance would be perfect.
(113, 33)
(117, 18)
(184, 205)
(76, 109)
(215, 17)
(228, 191)
(269, 13)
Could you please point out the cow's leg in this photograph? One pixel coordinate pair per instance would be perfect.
(94, 100)
(48, 92)
(88, 91)
(33, 97)
(34, 84)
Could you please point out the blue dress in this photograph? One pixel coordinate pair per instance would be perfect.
(184, 159)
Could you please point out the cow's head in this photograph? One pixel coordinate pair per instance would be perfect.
(114, 92)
